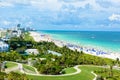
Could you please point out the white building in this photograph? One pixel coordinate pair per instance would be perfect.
(3, 46)
(32, 51)
(54, 53)
(16, 33)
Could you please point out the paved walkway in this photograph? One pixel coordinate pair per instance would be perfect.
(94, 75)
(21, 69)
(12, 68)
(76, 68)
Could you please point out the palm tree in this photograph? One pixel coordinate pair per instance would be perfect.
(117, 61)
(0, 65)
(111, 71)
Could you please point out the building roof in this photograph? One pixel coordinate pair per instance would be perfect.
(14, 31)
(54, 53)
(32, 51)
(3, 43)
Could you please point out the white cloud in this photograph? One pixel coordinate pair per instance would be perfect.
(115, 1)
(5, 4)
(40, 4)
(28, 24)
(16, 1)
(114, 17)
(52, 4)
(82, 4)
(47, 4)
(6, 22)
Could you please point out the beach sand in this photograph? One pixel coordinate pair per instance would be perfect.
(43, 37)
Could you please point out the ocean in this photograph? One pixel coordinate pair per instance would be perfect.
(103, 40)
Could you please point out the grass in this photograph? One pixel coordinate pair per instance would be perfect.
(84, 75)
(28, 68)
(86, 72)
(10, 64)
(69, 70)
(17, 71)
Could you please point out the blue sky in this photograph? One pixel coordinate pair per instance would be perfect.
(61, 14)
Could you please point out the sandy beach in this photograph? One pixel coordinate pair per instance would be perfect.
(43, 37)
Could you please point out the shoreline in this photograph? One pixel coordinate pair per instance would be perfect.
(92, 51)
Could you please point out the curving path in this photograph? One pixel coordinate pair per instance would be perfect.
(20, 66)
(94, 75)
(12, 68)
(76, 68)
(21, 69)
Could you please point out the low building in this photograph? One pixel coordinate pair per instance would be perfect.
(3, 46)
(54, 53)
(5, 39)
(31, 51)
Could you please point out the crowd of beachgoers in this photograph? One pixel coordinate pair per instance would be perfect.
(88, 50)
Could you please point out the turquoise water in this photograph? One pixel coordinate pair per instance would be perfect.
(108, 41)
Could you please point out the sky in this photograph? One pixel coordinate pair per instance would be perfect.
(101, 15)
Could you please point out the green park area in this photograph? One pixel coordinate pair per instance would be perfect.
(28, 68)
(10, 64)
(85, 74)
(69, 70)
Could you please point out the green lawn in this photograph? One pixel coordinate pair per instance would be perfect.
(10, 64)
(17, 71)
(28, 67)
(69, 70)
(84, 75)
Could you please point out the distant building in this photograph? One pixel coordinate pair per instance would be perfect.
(5, 39)
(3, 46)
(3, 33)
(11, 32)
(16, 33)
(29, 29)
(32, 51)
